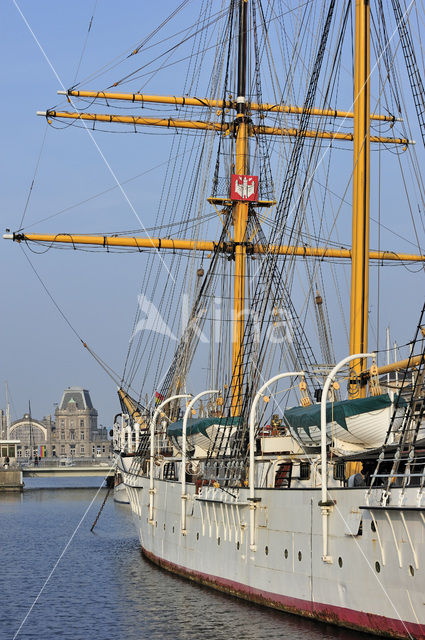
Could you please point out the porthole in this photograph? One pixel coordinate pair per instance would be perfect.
(340, 561)
(266, 551)
(411, 570)
(218, 541)
(285, 553)
(164, 526)
(197, 536)
(372, 526)
(238, 545)
(377, 567)
(300, 556)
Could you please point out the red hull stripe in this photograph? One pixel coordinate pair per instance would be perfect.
(341, 616)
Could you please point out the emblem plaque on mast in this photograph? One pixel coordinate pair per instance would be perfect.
(244, 188)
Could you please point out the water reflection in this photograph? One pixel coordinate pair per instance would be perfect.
(103, 588)
(11, 497)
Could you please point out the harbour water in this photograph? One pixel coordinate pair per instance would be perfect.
(102, 588)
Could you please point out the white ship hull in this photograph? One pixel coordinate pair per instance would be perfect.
(375, 581)
(123, 462)
(120, 494)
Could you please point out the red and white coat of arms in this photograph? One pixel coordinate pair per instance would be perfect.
(244, 188)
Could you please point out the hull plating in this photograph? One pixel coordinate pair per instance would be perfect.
(374, 583)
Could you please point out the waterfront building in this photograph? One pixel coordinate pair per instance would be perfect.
(8, 449)
(77, 433)
(34, 436)
(73, 432)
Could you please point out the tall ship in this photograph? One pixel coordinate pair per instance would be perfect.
(270, 444)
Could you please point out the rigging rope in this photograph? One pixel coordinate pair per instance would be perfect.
(108, 370)
(415, 79)
(85, 41)
(33, 179)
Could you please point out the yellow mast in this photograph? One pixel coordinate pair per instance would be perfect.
(240, 219)
(361, 188)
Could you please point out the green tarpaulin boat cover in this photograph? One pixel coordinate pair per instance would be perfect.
(199, 426)
(306, 417)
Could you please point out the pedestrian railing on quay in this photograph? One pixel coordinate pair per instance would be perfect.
(63, 462)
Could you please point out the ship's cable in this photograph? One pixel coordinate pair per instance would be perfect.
(108, 370)
(55, 566)
(33, 178)
(85, 41)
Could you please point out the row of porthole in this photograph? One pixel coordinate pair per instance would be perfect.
(378, 569)
(285, 553)
(340, 560)
(266, 549)
(300, 555)
(197, 537)
(218, 539)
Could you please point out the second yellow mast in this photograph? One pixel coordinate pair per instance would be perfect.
(361, 193)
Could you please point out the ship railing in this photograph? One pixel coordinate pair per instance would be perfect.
(405, 466)
(415, 468)
(162, 445)
(399, 475)
(224, 472)
(217, 494)
(406, 472)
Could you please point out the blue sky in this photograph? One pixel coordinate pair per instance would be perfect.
(39, 354)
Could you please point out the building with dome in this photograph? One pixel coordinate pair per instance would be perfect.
(34, 436)
(76, 432)
(73, 433)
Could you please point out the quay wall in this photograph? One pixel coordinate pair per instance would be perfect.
(11, 480)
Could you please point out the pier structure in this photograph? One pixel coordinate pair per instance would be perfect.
(12, 475)
(75, 469)
(11, 479)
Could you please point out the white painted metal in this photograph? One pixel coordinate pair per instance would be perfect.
(120, 494)
(184, 447)
(325, 503)
(152, 449)
(252, 413)
(137, 435)
(128, 431)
